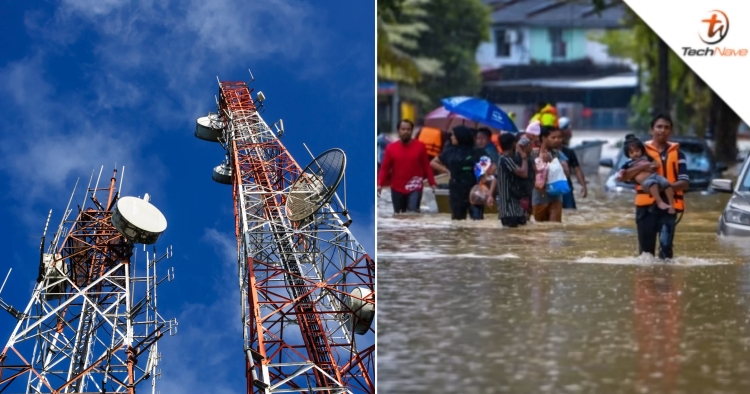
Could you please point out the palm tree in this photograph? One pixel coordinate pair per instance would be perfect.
(400, 24)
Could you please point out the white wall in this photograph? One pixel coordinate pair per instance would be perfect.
(519, 53)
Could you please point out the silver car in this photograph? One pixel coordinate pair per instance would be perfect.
(735, 220)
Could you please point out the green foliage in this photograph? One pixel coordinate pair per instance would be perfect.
(457, 29)
(429, 46)
(640, 106)
(400, 24)
(392, 6)
(689, 96)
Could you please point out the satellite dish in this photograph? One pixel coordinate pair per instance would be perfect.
(209, 128)
(316, 184)
(364, 312)
(223, 174)
(138, 220)
(55, 284)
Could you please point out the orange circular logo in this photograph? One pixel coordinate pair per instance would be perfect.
(714, 28)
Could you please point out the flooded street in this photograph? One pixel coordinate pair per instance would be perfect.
(471, 307)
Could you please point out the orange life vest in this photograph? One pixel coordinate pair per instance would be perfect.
(668, 170)
(432, 139)
(496, 140)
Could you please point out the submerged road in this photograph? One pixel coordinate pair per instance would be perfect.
(472, 307)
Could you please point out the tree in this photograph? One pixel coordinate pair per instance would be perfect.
(727, 123)
(662, 92)
(457, 27)
(400, 24)
(693, 105)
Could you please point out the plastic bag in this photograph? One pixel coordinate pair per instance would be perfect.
(557, 182)
(540, 180)
(478, 194)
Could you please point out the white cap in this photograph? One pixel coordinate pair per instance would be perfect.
(534, 128)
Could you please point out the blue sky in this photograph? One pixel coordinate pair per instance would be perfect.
(86, 83)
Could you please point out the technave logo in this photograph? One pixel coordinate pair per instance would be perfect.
(713, 29)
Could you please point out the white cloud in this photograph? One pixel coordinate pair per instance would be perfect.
(56, 138)
(179, 42)
(149, 57)
(91, 8)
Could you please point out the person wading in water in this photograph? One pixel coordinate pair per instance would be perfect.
(669, 162)
(549, 208)
(459, 160)
(405, 163)
(513, 184)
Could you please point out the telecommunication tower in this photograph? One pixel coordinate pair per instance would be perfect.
(92, 325)
(306, 284)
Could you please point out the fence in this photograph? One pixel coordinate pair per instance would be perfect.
(581, 118)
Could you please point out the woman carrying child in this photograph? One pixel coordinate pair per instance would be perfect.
(458, 160)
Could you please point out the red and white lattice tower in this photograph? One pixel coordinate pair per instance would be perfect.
(91, 325)
(306, 284)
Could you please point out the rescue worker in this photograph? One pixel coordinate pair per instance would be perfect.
(546, 115)
(432, 139)
(670, 163)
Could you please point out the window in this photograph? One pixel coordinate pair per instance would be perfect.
(696, 156)
(558, 44)
(745, 184)
(502, 47)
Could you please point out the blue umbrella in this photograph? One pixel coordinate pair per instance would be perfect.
(480, 111)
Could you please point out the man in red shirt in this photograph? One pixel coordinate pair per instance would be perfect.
(406, 165)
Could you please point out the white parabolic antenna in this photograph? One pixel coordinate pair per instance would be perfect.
(209, 128)
(316, 184)
(364, 312)
(222, 174)
(138, 220)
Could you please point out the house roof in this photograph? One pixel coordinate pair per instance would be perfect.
(581, 69)
(629, 80)
(556, 13)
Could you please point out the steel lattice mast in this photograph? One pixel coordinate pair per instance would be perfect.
(91, 325)
(307, 286)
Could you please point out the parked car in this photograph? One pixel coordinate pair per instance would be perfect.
(702, 167)
(735, 220)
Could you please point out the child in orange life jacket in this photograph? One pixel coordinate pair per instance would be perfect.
(651, 182)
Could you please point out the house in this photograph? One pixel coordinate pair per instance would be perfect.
(547, 31)
(542, 50)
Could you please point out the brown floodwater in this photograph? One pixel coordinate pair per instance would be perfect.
(471, 307)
